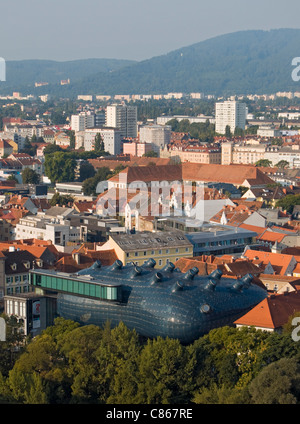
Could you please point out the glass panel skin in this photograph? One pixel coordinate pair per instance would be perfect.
(162, 302)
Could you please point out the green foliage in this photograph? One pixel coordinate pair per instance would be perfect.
(90, 185)
(29, 176)
(288, 202)
(28, 147)
(204, 132)
(277, 383)
(69, 363)
(86, 171)
(60, 167)
(263, 162)
(61, 200)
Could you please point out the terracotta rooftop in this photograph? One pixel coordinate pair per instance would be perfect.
(273, 312)
(233, 174)
(279, 261)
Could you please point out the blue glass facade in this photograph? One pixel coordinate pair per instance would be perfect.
(155, 303)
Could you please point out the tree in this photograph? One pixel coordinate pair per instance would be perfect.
(263, 162)
(72, 139)
(60, 167)
(90, 185)
(288, 202)
(28, 147)
(282, 164)
(51, 148)
(163, 376)
(99, 144)
(29, 176)
(277, 383)
(227, 131)
(150, 154)
(61, 200)
(86, 171)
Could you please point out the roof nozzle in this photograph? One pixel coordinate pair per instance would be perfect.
(211, 284)
(150, 262)
(243, 283)
(117, 265)
(247, 280)
(216, 274)
(190, 274)
(178, 286)
(157, 278)
(169, 267)
(137, 270)
(96, 264)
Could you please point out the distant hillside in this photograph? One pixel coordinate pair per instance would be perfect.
(237, 63)
(24, 73)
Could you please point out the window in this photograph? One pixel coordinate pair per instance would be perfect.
(159, 262)
(187, 249)
(136, 253)
(145, 253)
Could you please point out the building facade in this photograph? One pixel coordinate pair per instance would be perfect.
(230, 113)
(123, 118)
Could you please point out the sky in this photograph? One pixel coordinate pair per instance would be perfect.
(129, 29)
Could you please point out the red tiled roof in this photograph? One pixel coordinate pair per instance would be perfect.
(273, 312)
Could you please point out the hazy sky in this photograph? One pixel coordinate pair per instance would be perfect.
(128, 29)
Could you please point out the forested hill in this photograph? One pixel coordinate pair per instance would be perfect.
(238, 63)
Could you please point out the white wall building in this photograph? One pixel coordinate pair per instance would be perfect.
(230, 113)
(59, 231)
(159, 136)
(123, 118)
(112, 139)
(82, 121)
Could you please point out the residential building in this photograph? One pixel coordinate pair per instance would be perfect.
(82, 121)
(268, 131)
(136, 148)
(163, 247)
(272, 313)
(122, 117)
(5, 148)
(232, 114)
(242, 153)
(111, 137)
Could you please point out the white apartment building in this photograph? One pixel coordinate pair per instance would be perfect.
(111, 137)
(159, 136)
(82, 121)
(59, 231)
(230, 113)
(200, 119)
(268, 131)
(242, 153)
(291, 155)
(122, 117)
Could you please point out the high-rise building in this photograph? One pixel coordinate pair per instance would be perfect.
(231, 113)
(82, 121)
(122, 117)
(111, 138)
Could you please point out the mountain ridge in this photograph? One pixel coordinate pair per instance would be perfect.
(242, 62)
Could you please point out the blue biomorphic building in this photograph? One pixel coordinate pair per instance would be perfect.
(165, 302)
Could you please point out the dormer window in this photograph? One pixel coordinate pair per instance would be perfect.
(39, 263)
(27, 264)
(14, 266)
